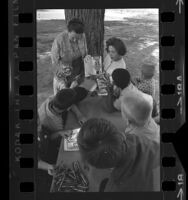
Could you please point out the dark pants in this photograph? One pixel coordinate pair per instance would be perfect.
(49, 149)
(43, 182)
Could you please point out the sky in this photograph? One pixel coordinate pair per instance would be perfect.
(110, 14)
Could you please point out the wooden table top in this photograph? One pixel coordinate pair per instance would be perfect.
(91, 107)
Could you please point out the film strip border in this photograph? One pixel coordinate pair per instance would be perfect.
(23, 103)
(172, 100)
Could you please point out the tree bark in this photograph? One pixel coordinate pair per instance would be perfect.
(93, 20)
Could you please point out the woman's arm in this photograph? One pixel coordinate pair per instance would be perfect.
(117, 104)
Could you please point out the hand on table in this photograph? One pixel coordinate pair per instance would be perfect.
(74, 84)
(117, 92)
(88, 58)
(81, 120)
(50, 169)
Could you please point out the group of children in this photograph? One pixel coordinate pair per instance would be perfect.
(135, 100)
(133, 97)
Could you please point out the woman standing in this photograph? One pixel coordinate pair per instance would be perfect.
(68, 50)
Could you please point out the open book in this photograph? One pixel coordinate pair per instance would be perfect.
(91, 64)
(70, 143)
(102, 86)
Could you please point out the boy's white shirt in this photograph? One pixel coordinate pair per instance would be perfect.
(151, 130)
(49, 119)
(131, 88)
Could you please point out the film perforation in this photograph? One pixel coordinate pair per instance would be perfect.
(26, 187)
(168, 113)
(168, 65)
(25, 66)
(25, 18)
(168, 41)
(26, 90)
(169, 161)
(169, 185)
(167, 137)
(168, 89)
(26, 138)
(26, 162)
(25, 41)
(167, 17)
(26, 114)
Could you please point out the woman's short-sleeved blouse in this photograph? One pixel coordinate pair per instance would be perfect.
(64, 51)
(110, 65)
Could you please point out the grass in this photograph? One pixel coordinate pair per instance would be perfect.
(134, 32)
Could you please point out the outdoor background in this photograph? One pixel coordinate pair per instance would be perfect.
(138, 28)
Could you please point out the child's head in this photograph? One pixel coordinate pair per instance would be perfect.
(148, 68)
(121, 78)
(136, 109)
(63, 99)
(148, 71)
(100, 143)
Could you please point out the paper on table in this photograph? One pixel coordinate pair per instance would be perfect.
(102, 86)
(89, 65)
(70, 143)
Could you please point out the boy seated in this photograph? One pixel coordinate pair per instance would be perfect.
(126, 161)
(138, 111)
(47, 155)
(146, 82)
(53, 112)
(48, 147)
(123, 85)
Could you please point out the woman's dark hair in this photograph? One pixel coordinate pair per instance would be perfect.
(117, 44)
(100, 143)
(75, 25)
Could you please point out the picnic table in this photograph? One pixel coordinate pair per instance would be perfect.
(91, 107)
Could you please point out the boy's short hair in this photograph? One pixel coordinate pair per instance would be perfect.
(100, 143)
(117, 44)
(148, 67)
(75, 25)
(136, 108)
(64, 99)
(121, 78)
(148, 70)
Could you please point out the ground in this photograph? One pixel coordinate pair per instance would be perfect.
(141, 37)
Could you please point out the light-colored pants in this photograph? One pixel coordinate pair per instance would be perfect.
(58, 85)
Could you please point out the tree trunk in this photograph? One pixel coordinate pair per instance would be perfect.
(93, 20)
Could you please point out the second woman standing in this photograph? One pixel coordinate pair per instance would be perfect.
(68, 50)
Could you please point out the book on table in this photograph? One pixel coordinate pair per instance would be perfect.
(70, 143)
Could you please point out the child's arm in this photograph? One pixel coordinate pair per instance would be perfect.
(117, 104)
(79, 115)
(45, 166)
(157, 119)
